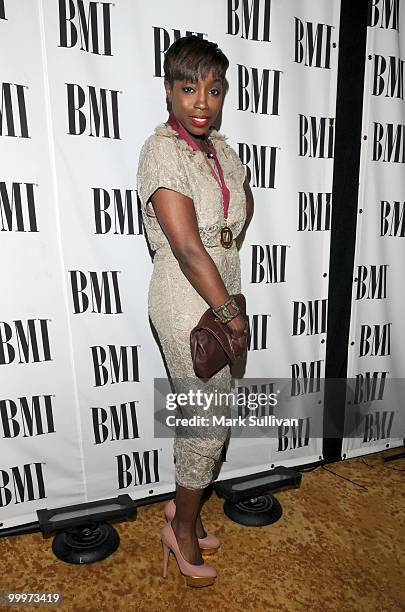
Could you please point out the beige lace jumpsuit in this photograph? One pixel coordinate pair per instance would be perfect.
(174, 305)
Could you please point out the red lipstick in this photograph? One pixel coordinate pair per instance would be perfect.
(200, 120)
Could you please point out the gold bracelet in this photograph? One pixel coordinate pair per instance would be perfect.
(223, 313)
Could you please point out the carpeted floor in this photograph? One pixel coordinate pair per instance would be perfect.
(338, 546)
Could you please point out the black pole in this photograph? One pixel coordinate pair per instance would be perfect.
(348, 137)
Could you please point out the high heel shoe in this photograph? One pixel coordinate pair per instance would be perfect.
(209, 545)
(196, 575)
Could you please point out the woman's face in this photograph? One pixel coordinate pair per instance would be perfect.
(196, 105)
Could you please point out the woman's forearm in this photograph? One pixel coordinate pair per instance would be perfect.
(201, 271)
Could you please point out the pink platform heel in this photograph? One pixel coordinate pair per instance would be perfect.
(208, 545)
(196, 575)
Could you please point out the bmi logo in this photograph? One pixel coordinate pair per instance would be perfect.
(372, 282)
(388, 77)
(264, 408)
(258, 90)
(98, 291)
(291, 437)
(24, 341)
(384, 14)
(378, 425)
(316, 136)
(13, 111)
(260, 164)
(93, 109)
(392, 218)
(22, 483)
(85, 24)
(118, 364)
(249, 19)
(309, 317)
(306, 377)
(27, 417)
(268, 263)
(314, 211)
(139, 469)
(389, 143)
(375, 340)
(312, 43)
(162, 41)
(369, 387)
(258, 332)
(17, 208)
(123, 214)
(115, 423)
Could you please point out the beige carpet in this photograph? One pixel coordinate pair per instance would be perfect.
(339, 546)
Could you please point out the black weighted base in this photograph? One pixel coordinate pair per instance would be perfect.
(255, 512)
(87, 543)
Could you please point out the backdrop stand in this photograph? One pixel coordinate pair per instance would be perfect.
(82, 534)
(86, 543)
(248, 499)
(254, 512)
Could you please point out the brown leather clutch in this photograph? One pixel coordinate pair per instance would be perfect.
(214, 344)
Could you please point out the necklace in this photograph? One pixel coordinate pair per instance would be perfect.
(225, 235)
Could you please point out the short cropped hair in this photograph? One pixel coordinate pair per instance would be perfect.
(191, 58)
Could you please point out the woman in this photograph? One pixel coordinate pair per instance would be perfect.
(195, 266)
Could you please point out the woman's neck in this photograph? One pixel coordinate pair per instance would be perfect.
(201, 142)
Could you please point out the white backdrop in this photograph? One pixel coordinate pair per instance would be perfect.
(82, 88)
(376, 359)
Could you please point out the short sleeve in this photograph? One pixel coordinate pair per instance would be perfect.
(160, 166)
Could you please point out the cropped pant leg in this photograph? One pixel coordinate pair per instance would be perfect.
(196, 450)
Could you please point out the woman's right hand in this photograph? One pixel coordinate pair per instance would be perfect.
(239, 324)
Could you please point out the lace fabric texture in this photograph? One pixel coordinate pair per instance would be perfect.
(168, 161)
(174, 305)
